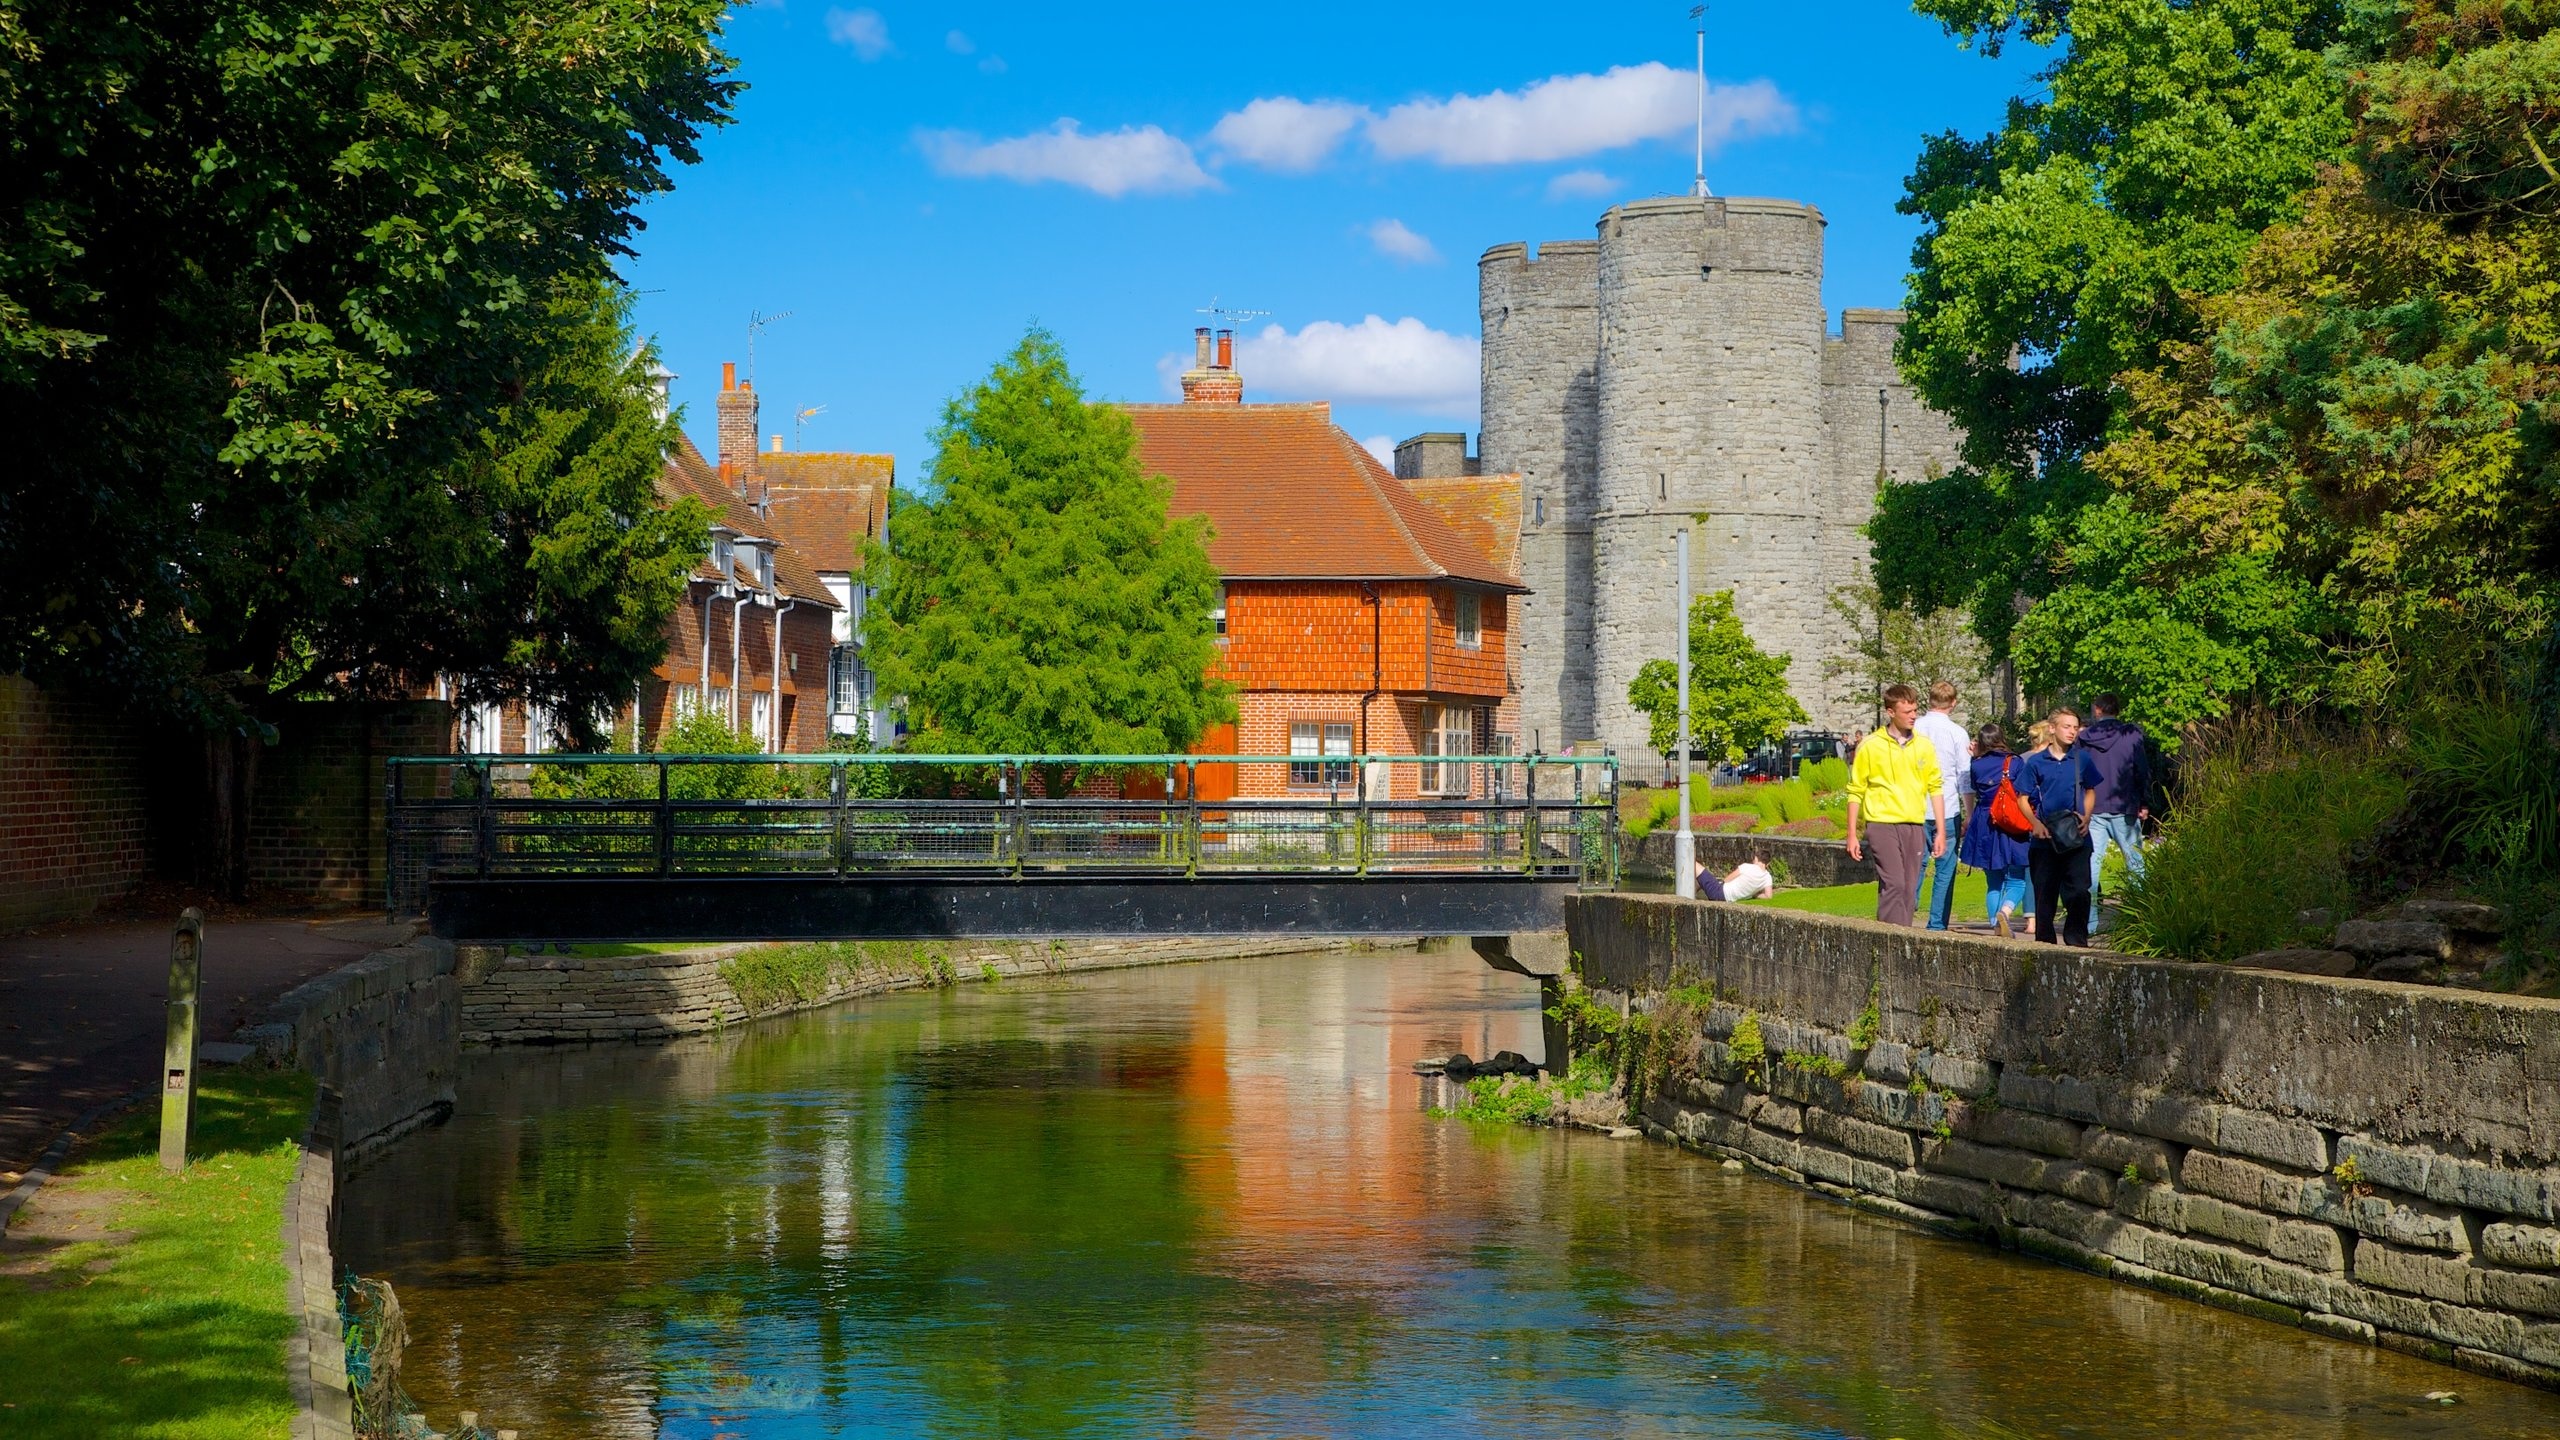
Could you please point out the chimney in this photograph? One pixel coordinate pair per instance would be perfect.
(737, 409)
(1214, 381)
(777, 444)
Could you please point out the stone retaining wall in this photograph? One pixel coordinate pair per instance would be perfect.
(2370, 1160)
(316, 1355)
(557, 999)
(382, 1032)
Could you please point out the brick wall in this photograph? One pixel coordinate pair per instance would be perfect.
(808, 632)
(74, 827)
(315, 826)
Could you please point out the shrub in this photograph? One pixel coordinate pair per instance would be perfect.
(2265, 823)
(1825, 776)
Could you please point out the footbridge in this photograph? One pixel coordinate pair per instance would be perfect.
(641, 848)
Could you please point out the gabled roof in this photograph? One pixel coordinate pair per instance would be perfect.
(1291, 496)
(687, 473)
(1485, 509)
(825, 503)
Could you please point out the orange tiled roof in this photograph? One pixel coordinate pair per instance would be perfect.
(1483, 508)
(687, 473)
(1290, 496)
(825, 503)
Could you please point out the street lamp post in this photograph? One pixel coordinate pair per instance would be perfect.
(1684, 844)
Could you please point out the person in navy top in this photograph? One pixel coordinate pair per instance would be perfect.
(2000, 856)
(2059, 783)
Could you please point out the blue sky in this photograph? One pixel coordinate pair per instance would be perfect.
(916, 184)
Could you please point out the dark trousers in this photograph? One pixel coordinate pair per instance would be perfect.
(2062, 886)
(1896, 849)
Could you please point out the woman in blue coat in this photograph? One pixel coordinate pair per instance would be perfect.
(2001, 857)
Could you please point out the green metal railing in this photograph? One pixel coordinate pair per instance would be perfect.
(668, 816)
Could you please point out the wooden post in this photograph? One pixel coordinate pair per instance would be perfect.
(178, 1065)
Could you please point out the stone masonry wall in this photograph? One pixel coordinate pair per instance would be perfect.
(568, 999)
(1541, 329)
(2368, 1160)
(382, 1034)
(1918, 443)
(74, 825)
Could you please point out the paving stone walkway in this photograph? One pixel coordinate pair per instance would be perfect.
(83, 1007)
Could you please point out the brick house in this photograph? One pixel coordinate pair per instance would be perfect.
(760, 636)
(1356, 617)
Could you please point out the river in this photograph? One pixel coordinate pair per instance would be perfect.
(1203, 1200)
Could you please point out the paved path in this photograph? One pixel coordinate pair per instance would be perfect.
(83, 1008)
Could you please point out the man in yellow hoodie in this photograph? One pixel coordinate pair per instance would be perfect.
(1896, 788)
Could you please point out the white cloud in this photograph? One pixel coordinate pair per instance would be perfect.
(959, 43)
(1397, 241)
(1112, 163)
(1382, 446)
(1566, 116)
(992, 65)
(1280, 133)
(1581, 185)
(1404, 363)
(864, 30)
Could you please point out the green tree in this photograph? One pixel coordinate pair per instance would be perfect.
(310, 351)
(1738, 698)
(1043, 601)
(1896, 645)
(2068, 246)
(2361, 451)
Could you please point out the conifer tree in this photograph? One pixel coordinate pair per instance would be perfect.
(1043, 600)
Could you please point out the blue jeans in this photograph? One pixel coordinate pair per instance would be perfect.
(2005, 888)
(2122, 831)
(1942, 898)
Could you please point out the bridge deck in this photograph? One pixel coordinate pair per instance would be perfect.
(657, 847)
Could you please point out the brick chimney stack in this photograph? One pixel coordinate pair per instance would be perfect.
(737, 428)
(1213, 379)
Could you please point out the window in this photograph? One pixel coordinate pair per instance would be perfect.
(688, 700)
(1448, 730)
(1470, 620)
(764, 567)
(760, 720)
(716, 700)
(479, 729)
(846, 681)
(1218, 614)
(720, 553)
(537, 729)
(1319, 739)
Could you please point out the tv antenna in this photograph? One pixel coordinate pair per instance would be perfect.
(757, 320)
(800, 422)
(1699, 14)
(1229, 319)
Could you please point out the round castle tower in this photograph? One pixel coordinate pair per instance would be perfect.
(1541, 328)
(1710, 419)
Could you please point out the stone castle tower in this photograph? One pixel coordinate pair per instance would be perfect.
(1676, 373)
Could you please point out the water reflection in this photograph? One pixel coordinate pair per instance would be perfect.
(1202, 1200)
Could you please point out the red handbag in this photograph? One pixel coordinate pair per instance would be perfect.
(2009, 814)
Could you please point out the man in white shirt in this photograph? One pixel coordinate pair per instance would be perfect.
(1746, 881)
(1955, 757)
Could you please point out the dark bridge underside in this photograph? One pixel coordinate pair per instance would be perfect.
(907, 906)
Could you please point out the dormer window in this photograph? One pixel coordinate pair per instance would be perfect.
(764, 567)
(720, 553)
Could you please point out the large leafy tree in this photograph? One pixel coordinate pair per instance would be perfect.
(1738, 697)
(1898, 646)
(309, 351)
(2369, 421)
(2066, 248)
(1043, 601)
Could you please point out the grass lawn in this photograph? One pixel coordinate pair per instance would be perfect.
(1860, 900)
(134, 1303)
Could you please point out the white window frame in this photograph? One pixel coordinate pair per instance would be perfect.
(1218, 614)
(1313, 744)
(761, 716)
(1470, 620)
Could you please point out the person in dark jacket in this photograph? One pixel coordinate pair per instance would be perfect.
(2060, 785)
(2000, 856)
(2122, 755)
